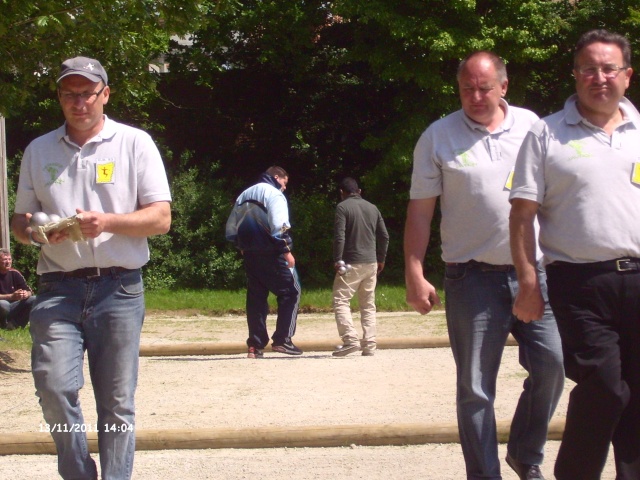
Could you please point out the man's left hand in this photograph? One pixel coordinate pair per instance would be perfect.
(529, 304)
(291, 262)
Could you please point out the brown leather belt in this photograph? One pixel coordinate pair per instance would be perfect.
(91, 272)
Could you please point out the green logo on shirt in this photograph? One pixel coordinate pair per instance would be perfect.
(578, 147)
(53, 169)
(464, 158)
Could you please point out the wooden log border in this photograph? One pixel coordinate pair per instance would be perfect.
(39, 443)
(272, 437)
(231, 348)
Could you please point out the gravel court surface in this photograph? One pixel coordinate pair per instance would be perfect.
(231, 391)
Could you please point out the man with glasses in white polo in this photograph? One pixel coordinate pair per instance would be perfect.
(111, 178)
(578, 172)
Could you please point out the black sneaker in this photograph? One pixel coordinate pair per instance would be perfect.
(524, 471)
(287, 347)
(255, 353)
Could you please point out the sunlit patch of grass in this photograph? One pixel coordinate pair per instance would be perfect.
(389, 298)
(232, 302)
(18, 339)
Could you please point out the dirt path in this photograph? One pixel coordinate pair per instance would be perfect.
(316, 389)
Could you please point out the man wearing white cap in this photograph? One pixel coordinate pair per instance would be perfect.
(111, 178)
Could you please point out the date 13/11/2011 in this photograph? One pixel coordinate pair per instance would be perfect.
(85, 427)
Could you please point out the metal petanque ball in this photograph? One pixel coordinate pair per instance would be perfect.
(54, 218)
(344, 267)
(38, 219)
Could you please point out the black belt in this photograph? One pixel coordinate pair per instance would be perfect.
(91, 272)
(617, 265)
(484, 267)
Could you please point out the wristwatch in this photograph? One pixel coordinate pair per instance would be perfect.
(33, 242)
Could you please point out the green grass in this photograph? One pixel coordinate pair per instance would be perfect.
(217, 302)
(220, 302)
(19, 339)
(205, 301)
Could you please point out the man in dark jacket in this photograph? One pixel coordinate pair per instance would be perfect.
(259, 227)
(359, 250)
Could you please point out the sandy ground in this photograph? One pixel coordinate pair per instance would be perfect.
(230, 391)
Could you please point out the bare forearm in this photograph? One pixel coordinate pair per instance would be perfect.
(152, 219)
(417, 233)
(523, 243)
(529, 304)
(421, 295)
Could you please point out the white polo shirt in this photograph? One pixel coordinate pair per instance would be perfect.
(115, 172)
(587, 184)
(470, 169)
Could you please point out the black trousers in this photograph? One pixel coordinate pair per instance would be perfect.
(597, 309)
(270, 273)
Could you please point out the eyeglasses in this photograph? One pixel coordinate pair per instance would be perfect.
(608, 71)
(85, 96)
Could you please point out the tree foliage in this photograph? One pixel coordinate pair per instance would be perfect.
(322, 88)
(126, 35)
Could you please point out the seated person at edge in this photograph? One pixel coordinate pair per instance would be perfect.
(16, 297)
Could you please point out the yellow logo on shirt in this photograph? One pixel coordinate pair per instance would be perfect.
(509, 183)
(635, 174)
(104, 172)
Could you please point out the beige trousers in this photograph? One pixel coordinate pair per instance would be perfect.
(361, 279)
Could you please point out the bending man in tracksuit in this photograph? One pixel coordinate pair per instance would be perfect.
(259, 227)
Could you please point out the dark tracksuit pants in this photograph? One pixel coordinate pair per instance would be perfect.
(270, 273)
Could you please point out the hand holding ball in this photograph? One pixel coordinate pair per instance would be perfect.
(42, 224)
(343, 267)
(38, 219)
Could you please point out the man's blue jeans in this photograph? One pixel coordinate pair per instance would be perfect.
(479, 319)
(16, 314)
(102, 315)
